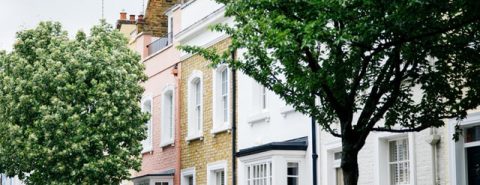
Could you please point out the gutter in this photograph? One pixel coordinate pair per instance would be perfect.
(177, 73)
(433, 140)
(234, 123)
(314, 152)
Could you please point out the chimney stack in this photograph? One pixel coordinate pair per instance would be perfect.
(132, 18)
(123, 15)
(140, 18)
(140, 23)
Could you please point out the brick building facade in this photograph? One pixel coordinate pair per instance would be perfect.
(208, 148)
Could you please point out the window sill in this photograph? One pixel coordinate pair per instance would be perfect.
(263, 116)
(220, 130)
(192, 138)
(147, 150)
(168, 143)
(286, 110)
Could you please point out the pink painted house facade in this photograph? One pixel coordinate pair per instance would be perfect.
(161, 149)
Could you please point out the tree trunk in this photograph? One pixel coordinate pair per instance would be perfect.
(349, 164)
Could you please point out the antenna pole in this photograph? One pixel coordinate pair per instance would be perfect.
(103, 17)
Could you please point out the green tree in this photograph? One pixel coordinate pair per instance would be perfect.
(70, 109)
(373, 65)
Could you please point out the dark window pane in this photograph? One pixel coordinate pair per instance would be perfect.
(190, 180)
(473, 168)
(472, 134)
(337, 155)
(292, 181)
(292, 169)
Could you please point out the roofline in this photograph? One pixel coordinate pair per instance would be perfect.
(164, 174)
(294, 144)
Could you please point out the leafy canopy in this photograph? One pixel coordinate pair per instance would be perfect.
(70, 112)
(372, 65)
(396, 66)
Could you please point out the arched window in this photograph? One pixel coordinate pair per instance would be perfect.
(168, 117)
(221, 99)
(147, 108)
(195, 107)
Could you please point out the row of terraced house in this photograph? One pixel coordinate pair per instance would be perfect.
(216, 126)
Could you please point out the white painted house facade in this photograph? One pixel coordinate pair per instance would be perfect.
(274, 141)
(274, 144)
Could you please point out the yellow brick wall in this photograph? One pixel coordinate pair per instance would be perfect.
(199, 153)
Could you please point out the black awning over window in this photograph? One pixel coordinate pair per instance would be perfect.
(294, 144)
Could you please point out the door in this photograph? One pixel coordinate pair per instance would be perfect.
(473, 165)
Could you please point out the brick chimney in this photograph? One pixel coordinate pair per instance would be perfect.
(123, 15)
(123, 19)
(140, 24)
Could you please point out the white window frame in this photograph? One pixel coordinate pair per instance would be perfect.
(390, 163)
(147, 144)
(10, 180)
(457, 162)
(195, 129)
(168, 129)
(219, 98)
(212, 168)
(260, 104)
(383, 156)
(263, 98)
(279, 160)
(336, 165)
(299, 176)
(260, 94)
(7, 180)
(152, 180)
(269, 172)
(327, 157)
(161, 181)
(187, 172)
(170, 24)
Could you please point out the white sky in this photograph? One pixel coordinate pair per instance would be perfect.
(74, 15)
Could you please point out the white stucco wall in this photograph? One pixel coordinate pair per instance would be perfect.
(282, 123)
(371, 171)
(197, 17)
(196, 10)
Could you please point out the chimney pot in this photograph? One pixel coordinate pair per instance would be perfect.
(132, 17)
(123, 15)
(140, 18)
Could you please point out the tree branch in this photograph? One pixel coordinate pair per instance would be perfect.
(358, 78)
(315, 67)
(374, 95)
(401, 40)
(365, 129)
(310, 59)
(416, 129)
(331, 131)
